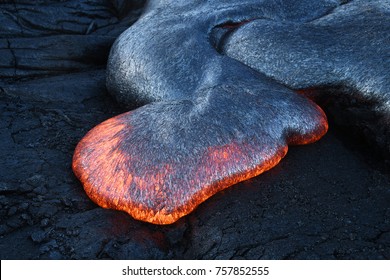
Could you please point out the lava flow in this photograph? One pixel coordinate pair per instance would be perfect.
(121, 170)
(208, 122)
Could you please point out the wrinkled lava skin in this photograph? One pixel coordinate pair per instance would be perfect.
(213, 114)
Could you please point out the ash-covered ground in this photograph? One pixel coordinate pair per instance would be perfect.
(328, 200)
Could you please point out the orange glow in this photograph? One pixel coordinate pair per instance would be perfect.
(316, 135)
(116, 179)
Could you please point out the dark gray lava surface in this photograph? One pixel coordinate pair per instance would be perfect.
(328, 200)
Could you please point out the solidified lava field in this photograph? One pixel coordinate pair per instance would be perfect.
(328, 200)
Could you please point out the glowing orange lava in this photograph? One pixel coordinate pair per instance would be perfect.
(115, 175)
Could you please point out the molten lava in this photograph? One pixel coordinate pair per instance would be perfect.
(117, 174)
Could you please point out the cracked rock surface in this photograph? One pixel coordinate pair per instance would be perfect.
(323, 201)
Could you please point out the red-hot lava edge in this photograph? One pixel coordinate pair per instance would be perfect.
(111, 181)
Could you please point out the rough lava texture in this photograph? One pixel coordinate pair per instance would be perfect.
(324, 201)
